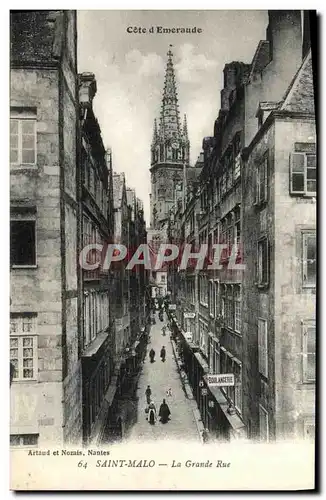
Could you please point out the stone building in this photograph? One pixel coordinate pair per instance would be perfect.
(279, 220)
(121, 276)
(137, 236)
(46, 300)
(97, 349)
(257, 192)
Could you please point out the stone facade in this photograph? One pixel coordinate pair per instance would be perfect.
(98, 335)
(287, 302)
(121, 276)
(257, 190)
(44, 201)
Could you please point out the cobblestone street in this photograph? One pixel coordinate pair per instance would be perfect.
(161, 377)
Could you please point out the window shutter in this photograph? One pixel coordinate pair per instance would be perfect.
(297, 173)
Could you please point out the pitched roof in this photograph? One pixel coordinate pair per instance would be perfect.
(261, 58)
(300, 94)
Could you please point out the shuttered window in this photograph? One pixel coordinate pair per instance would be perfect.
(303, 174)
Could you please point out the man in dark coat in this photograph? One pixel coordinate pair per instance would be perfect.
(164, 412)
(148, 393)
(163, 353)
(152, 354)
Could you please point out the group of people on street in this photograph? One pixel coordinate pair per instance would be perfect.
(164, 411)
(162, 354)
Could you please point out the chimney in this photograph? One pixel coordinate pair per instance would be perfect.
(87, 88)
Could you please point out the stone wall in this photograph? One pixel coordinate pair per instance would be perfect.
(38, 290)
(257, 303)
(295, 400)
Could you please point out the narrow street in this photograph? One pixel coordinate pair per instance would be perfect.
(162, 376)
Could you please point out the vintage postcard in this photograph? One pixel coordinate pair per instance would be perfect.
(162, 249)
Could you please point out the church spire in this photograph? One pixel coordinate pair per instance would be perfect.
(169, 120)
(155, 134)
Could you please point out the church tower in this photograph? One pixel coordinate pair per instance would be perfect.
(169, 152)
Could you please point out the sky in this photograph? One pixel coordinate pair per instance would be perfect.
(130, 67)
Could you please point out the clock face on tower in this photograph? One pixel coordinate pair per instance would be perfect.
(175, 144)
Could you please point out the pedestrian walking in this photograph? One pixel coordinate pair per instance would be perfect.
(152, 413)
(163, 354)
(148, 394)
(164, 412)
(152, 355)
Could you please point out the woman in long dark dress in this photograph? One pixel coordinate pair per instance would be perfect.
(164, 412)
(152, 413)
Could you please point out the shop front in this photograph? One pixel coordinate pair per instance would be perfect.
(223, 420)
(97, 380)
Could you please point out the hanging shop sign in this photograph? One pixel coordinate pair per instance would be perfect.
(172, 307)
(220, 380)
(189, 315)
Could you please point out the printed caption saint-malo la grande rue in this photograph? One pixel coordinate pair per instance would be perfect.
(132, 463)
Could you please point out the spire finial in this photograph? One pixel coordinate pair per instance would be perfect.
(170, 53)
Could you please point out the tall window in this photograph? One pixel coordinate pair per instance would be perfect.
(237, 309)
(23, 141)
(230, 234)
(237, 228)
(211, 298)
(229, 308)
(224, 252)
(309, 259)
(22, 240)
(262, 347)
(263, 262)
(237, 157)
(23, 346)
(223, 301)
(309, 351)
(303, 171)
(261, 181)
(263, 424)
